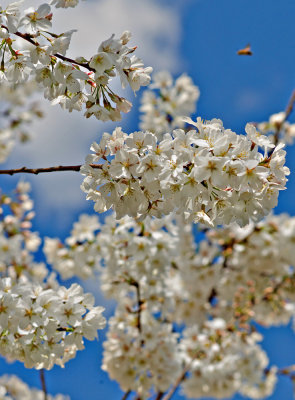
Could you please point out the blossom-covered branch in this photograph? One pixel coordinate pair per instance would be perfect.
(211, 174)
(73, 84)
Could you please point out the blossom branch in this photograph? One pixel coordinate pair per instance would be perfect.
(30, 38)
(25, 36)
(43, 383)
(37, 171)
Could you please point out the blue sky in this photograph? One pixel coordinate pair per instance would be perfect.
(198, 37)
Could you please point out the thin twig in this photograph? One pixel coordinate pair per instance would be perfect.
(288, 111)
(159, 396)
(181, 378)
(139, 304)
(126, 394)
(70, 60)
(36, 171)
(43, 383)
(290, 106)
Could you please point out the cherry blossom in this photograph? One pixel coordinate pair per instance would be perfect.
(191, 172)
(67, 81)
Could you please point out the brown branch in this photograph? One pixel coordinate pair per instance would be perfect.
(30, 38)
(43, 383)
(288, 111)
(290, 106)
(159, 396)
(36, 171)
(70, 60)
(126, 394)
(139, 303)
(181, 378)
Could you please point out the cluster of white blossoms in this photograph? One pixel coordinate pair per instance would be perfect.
(13, 388)
(17, 241)
(15, 114)
(127, 254)
(163, 108)
(277, 126)
(184, 282)
(73, 84)
(41, 322)
(43, 327)
(160, 278)
(186, 315)
(81, 255)
(141, 359)
(222, 362)
(211, 174)
(259, 258)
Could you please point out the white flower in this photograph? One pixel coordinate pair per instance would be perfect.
(37, 20)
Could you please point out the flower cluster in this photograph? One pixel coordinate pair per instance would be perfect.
(17, 241)
(71, 83)
(12, 388)
(258, 268)
(163, 108)
(159, 277)
(222, 362)
(211, 175)
(43, 327)
(278, 129)
(16, 112)
(128, 255)
(81, 255)
(41, 322)
(144, 360)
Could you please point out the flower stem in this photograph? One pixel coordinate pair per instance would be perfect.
(43, 383)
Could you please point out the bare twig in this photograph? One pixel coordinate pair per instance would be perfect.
(290, 106)
(36, 171)
(288, 111)
(43, 383)
(181, 378)
(139, 303)
(159, 396)
(126, 394)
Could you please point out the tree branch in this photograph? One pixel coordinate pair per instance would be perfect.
(139, 304)
(159, 396)
(288, 111)
(36, 171)
(43, 383)
(126, 394)
(30, 38)
(181, 378)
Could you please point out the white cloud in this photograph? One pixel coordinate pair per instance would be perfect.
(155, 28)
(65, 138)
